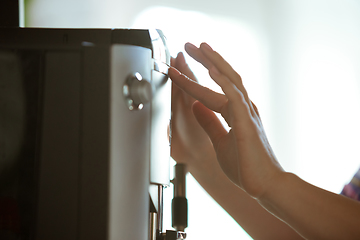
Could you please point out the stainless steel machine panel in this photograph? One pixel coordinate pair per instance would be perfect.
(88, 131)
(129, 148)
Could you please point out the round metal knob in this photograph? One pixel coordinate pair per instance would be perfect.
(137, 91)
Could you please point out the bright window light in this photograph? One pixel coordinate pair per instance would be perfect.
(328, 116)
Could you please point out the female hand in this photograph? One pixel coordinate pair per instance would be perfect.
(243, 153)
(189, 142)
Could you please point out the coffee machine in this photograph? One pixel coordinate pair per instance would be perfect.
(84, 141)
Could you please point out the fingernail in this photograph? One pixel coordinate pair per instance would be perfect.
(190, 46)
(206, 47)
(181, 57)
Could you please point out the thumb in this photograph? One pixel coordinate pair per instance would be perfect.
(209, 122)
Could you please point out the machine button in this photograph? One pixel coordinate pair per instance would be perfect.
(137, 91)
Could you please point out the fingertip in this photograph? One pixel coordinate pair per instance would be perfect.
(179, 55)
(190, 47)
(206, 47)
(198, 54)
(174, 72)
(201, 111)
(197, 108)
(196, 105)
(181, 58)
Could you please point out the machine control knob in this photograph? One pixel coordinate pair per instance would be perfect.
(137, 91)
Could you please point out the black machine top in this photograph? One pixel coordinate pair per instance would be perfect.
(74, 38)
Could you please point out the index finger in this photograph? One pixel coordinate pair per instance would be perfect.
(212, 100)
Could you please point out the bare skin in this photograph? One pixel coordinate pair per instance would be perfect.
(238, 168)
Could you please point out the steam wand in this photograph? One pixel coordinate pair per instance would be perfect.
(179, 205)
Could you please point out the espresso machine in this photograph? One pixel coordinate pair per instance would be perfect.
(84, 142)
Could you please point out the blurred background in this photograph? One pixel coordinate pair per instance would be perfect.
(300, 61)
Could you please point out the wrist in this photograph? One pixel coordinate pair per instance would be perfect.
(277, 186)
(280, 195)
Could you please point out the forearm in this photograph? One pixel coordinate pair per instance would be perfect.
(246, 211)
(313, 212)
